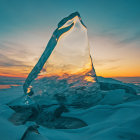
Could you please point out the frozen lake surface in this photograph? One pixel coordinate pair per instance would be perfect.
(113, 118)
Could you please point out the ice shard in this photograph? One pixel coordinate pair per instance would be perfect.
(65, 71)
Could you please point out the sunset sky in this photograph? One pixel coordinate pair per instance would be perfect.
(113, 30)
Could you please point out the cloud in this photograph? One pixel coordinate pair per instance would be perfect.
(15, 49)
(100, 62)
(8, 62)
(113, 68)
(134, 38)
(15, 54)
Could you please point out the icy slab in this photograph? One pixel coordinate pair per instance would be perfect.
(50, 117)
(49, 113)
(65, 71)
(7, 129)
(112, 84)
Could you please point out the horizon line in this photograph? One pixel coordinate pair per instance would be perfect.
(13, 76)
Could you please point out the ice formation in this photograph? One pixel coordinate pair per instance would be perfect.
(65, 77)
(65, 72)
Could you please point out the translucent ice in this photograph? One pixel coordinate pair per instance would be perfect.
(65, 71)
